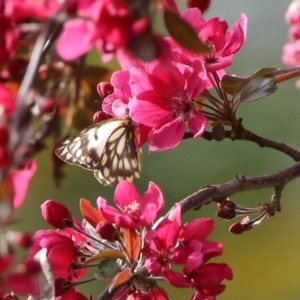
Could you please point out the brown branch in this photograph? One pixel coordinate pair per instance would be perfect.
(246, 135)
(263, 142)
(238, 184)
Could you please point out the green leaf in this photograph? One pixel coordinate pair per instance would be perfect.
(258, 88)
(184, 33)
(264, 72)
(107, 254)
(232, 84)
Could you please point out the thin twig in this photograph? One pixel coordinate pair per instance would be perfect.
(239, 184)
(246, 135)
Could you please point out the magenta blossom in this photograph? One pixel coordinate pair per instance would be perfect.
(21, 279)
(213, 33)
(116, 102)
(164, 100)
(107, 24)
(61, 250)
(135, 210)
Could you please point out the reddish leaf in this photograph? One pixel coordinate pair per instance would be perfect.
(286, 74)
(90, 213)
(184, 33)
(132, 244)
(120, 279)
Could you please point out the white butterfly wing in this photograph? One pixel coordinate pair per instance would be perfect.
(109, 148)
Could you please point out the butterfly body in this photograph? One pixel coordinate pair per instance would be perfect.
(109, 148)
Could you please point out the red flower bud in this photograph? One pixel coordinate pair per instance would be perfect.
(99, 116)
(4, 157)
(55, 212)
(236, 228)
(226, 209)
(106, 230)
(104, 89)
(203, 5)
(23, 239)
(47, 105)
(3, 135)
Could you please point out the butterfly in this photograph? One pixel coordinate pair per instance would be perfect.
(109, 148)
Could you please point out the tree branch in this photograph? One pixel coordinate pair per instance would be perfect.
(238, 184)
(246, 135)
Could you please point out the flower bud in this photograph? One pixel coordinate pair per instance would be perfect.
(55, 212)
(99, 116)
(3, 135)
(47, 105)
(104, 89)
(226, 209)
(106, 230)
(4, 157)
(236, 228)
(203, 5)
(23, 239)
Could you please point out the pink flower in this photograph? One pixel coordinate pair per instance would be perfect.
(25, 9)
(214, 33)
(291, 54)
(61, 250)
(71, 294)
(21, 279)
(292, 14)
(207, 279)
(159, 246)
(116, 102)
(163, 99)
(111, 27)
(135, 211)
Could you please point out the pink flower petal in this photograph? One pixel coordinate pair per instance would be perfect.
(194, 261)
(175, 213)
(78, 33)
(176, 279)
(198, 229)
(167, 136)
(21, 180)
(126, 194)
(152, 204)
(197, 123)
(148, 113)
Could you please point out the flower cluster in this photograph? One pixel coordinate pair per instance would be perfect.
(291, 50)
(161, 89)
(161, 96)
(16, 276)
(130, 248)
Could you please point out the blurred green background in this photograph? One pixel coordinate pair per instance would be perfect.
(266, 260)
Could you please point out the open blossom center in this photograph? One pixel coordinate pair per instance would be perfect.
(180, 105)
(132, 210)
